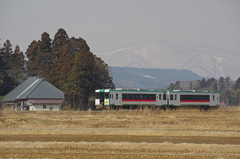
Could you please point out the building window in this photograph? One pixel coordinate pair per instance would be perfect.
(44, 107)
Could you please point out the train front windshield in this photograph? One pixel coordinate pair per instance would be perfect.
(99, 95)
(101, 98)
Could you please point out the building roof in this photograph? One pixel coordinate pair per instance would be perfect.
(34, 88)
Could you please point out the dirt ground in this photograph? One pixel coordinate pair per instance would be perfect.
(184, 133)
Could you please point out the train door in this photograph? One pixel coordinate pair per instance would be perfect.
(217, 99)
(160, 98)
(116, 96)
(213, 101)
(176, 103)
(106, 97)
(165, 98)
(172, 99)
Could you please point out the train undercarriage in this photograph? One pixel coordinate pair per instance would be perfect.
(154, 108)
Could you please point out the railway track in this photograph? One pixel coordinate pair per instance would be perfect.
(118, 138)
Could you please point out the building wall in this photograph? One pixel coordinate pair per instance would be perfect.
(45, 107)
(9, 106)
(25, 105)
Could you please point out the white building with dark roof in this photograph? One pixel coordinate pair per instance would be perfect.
(35, 93)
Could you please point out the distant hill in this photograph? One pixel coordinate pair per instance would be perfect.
(128, 77)
(204, 60)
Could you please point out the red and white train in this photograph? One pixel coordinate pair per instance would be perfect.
(124, 98)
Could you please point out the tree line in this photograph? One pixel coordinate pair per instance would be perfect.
(229, 91)
(65, 62)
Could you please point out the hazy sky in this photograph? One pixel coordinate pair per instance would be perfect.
(107, 24)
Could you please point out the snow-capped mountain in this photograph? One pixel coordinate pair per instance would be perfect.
(204, 60)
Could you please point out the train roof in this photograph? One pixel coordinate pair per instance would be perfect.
(148, 90)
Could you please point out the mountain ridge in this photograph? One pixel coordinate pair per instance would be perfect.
(202, 59)
(149, 78)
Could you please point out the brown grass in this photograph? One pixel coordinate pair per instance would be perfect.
(222, 123)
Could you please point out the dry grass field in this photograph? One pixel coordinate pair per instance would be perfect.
(184, 133)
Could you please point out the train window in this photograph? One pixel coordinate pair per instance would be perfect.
(131, 96)
(97, 95)
(117, 96)
(194, 97)
(164, 97)
(213, 97)
(171, 97)
(175, 97)
(160, 97)
(137, 96)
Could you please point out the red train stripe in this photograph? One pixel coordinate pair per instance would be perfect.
(138, 100)
(194, 101)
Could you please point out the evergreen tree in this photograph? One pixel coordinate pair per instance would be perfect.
(45, 56)
(70, 66)
(7, 82)
(215, 86)
(33, 61)
(87, 65)
(101, 75)
(237, 84)
(12, 67)
(228, 83)
(60, 39)
(17, 70)
(45, 43)
(61, 68)
(178, 85)
(7, 55)
(203, 83)
(221, 84)
(77, 45)
(171, 87)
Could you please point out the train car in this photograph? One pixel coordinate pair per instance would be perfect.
(132, 99)
(203, 100)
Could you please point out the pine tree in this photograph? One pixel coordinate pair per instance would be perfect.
(61, 68)
(60, 39)
(221, 84)
(77, 45)
(33, 61)
(237, 84)
(177, 85)
(45, 56)
(73, 86)
(17, 69)
(7, 73)
(228, 83)
(69, 65)
(101, 75)
(7, 54)
(203, 83)
(45, 43)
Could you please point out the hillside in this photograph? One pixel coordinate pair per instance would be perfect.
(128, 77)
(204, 60)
